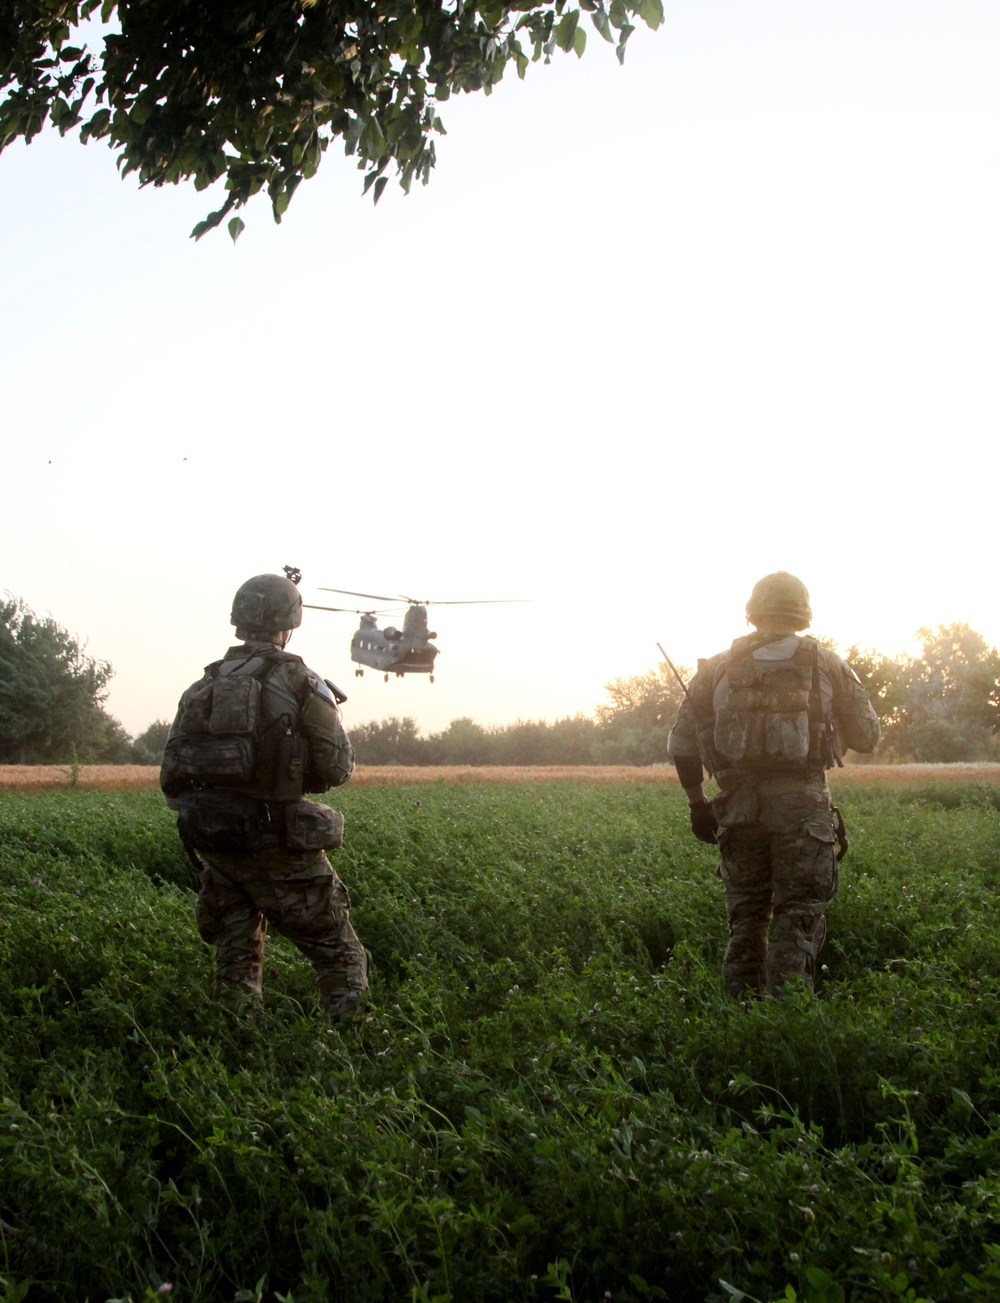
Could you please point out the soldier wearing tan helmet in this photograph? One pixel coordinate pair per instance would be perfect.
(256, 732)
(767, 718)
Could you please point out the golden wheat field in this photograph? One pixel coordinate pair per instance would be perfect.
(108, 778)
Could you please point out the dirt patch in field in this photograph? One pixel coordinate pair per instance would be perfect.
(110, 778)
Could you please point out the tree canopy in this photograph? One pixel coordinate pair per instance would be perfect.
(147, 749)
(254, 91)
(51, 695)
(940, 706)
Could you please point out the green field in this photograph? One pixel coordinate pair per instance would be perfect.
(550, 1096)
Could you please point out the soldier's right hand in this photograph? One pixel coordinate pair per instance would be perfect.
(704, 824)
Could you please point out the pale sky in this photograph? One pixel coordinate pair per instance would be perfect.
(648, 334)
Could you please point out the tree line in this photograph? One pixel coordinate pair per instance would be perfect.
(941, 705)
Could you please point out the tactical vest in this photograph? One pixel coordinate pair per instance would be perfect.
(223, 739)
(772, 720)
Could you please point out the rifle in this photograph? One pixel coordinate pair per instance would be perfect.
(688, 698)
(675, 672)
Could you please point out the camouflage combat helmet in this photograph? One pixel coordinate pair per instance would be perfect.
(267, 604)
(780, 597)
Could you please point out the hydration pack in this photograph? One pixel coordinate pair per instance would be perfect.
(772, 719)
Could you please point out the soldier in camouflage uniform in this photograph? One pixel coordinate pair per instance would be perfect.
(254, 733)
(767, 718)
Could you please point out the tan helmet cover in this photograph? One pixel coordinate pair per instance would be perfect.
(267, 604)
(780, 596)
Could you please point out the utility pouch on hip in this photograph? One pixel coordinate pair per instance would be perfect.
(312, 827)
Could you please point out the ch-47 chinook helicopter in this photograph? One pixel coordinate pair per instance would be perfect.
(395, 651)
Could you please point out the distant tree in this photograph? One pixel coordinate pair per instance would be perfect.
(51, 694)
(568, 741)
(111, 745)
(463, 742)
(147, 749)
(636, 722)
(254, 91)
(571, 741)
(940, 742)
(951, 706)
(885, 681)
(388, 742)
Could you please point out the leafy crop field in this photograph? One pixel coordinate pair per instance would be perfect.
(550, 1096)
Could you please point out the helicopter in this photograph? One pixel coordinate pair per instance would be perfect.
(396, 651)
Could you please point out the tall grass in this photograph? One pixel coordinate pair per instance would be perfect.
(550, 1096)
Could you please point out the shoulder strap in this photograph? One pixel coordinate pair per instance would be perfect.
(820, 726)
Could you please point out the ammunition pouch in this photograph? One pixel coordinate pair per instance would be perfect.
(312, 827)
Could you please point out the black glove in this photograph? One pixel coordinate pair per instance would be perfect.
(704, 824)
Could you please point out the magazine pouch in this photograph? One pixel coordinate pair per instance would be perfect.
(312, 827)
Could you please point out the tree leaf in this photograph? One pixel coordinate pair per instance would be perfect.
(565, 32)
(236, 228)
(651, 13)
(625, 33)
(600, 20)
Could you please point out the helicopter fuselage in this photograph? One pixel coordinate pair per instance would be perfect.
(396, 651)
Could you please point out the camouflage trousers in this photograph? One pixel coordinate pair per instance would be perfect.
(780, 873)
(303, 898)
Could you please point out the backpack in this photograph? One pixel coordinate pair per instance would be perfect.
(772, 719)
(219, 738)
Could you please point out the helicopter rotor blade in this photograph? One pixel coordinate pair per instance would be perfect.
(350, 593)
(349, 610)
(472, 601)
